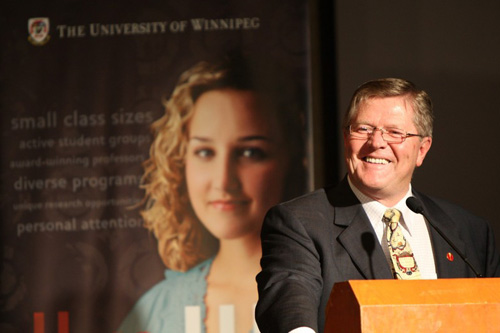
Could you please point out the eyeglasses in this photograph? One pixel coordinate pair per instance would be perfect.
(390, 135)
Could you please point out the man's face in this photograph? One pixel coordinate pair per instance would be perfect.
(379, 169)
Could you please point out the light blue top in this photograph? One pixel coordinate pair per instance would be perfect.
(161, 308)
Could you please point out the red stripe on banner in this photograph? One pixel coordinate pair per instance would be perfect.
(63, 322)
(38, 322)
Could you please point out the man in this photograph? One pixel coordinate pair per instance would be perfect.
(347, 232)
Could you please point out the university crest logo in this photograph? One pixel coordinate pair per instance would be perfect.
(38, 29)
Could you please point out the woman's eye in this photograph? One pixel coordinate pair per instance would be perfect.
(204, 153)
(253, 153)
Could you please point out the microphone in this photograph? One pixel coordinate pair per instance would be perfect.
(368, 242)
(416, 206)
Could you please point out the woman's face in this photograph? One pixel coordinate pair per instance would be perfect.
(235, 163)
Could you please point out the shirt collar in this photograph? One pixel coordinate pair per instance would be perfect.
(375, 210)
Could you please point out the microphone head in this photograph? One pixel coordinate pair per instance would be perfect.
(415, 205)
(368, 242)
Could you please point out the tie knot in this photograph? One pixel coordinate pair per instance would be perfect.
(392, 215)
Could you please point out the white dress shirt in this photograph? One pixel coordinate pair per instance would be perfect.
(414, 227)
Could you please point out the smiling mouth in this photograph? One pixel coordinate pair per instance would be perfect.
(226, 205)
(376, 160)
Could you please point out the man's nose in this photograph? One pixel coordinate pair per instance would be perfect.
(377, 139)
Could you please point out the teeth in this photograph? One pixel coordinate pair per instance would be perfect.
(376, 160)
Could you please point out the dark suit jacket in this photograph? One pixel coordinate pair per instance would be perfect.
(325, 237)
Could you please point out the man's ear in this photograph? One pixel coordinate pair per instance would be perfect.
(425, 146)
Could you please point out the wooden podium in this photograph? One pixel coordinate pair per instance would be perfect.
(443, 305)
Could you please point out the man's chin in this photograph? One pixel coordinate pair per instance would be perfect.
(373, 183)
(372, 189)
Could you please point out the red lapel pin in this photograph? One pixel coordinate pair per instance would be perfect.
(449, 256)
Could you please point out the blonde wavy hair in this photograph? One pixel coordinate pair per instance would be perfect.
(182, 240)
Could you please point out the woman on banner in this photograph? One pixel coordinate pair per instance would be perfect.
(229, 146)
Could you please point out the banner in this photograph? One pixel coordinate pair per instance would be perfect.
(142, 144)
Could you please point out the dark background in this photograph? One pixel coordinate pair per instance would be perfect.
(450, 49)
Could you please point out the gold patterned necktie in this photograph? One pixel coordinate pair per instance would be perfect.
(404, 264)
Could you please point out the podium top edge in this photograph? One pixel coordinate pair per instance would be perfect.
(440, 291)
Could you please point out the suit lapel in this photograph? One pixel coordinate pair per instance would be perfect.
(445, 267)
(357, 236)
